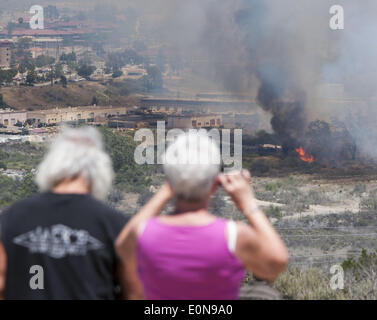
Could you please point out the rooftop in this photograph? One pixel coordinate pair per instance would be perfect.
(196, 115)
(80, 108)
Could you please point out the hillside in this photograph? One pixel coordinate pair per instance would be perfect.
(81, 94)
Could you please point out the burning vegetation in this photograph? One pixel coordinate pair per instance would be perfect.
(304, 156)
(320, 140)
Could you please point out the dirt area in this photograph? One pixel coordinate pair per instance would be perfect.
(187, 85)
(322, 221)
(317, 196)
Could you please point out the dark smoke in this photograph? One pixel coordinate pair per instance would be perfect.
(275, 58)
(288, 118)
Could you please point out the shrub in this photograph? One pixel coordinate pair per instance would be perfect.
(361, 277)
(272, 186)
(370, 202)
(259, 167)
(273, 212)
(359, 189)
(309, 284)
(360, 280)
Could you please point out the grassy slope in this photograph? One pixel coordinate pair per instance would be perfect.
(74, 95)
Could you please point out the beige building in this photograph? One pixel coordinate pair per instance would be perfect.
(47, 46)
(10, 118)
(5, 53)
(36, 52)
(194, 121)
(74, 114)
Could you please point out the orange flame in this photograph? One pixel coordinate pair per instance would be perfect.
(303, 156)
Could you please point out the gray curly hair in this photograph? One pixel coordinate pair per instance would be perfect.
(77, 152)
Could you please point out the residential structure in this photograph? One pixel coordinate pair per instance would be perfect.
(198, 105)
(74, 114)
(5, 53)
(194, 121)
(10, 117)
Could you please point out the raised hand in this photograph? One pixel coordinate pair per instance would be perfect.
(237, 185)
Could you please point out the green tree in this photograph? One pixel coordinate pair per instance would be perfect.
(114, 62)
(31, 78)
(58, 71)
(2, 103)
(129, 176)
(85, 71)
(68, 57)
(26, 187)
(117, 73)
(27, 63)
(6, 190)
(85, 59)
(24, 44)
(14, 190)
(7, 75)
(22, 68)
(42, 61)
(130, 56)
(63, 80)
(94, 101)
(3, 165)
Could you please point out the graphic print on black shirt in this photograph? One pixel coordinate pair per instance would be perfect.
(71, 237)
(58, 241)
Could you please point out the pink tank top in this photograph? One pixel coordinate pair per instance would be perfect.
(187, 262)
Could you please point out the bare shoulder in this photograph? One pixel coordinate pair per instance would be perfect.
(127, 236)
(243, 228)
(245, 234)
(136, 223)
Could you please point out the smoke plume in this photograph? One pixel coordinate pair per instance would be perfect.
(287, 54)
(281, 52)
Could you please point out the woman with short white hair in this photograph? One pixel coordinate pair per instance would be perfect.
(192, 254)
(65, 230)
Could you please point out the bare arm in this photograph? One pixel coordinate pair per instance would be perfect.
(3, 265)
(150, 210)
(129, 281)
(126, 242)
(259, 246)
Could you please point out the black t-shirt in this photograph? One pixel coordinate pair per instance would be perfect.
(71, 237)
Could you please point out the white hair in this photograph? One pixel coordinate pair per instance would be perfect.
(191, 165)
(77, 152)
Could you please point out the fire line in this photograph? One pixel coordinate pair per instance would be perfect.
(303, 156)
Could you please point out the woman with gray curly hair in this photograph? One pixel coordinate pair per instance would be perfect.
(77, 155)
(64, 232)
